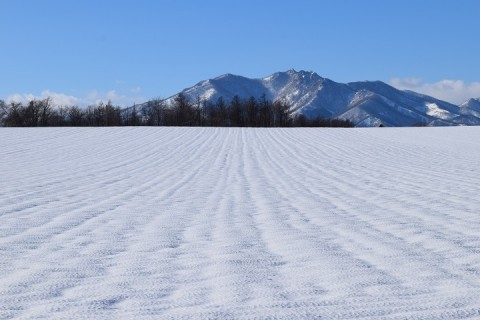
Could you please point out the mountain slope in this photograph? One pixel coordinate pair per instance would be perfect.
(471, 107)
(366, 103)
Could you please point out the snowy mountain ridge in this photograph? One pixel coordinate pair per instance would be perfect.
(366, 103)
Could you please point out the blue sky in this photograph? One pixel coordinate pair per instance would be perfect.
(130, 51)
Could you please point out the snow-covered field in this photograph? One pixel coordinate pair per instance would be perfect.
(131, 223)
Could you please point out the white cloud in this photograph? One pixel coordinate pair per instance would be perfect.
(93, 97)
(59, 99)
(454, 91)
(16, 97)
(112, 95)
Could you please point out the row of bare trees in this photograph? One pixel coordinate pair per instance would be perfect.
(43, 113)
(236, 113)
(180, 111)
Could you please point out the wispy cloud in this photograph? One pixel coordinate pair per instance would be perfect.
(454, 91)
(135, 90)
(91, 98)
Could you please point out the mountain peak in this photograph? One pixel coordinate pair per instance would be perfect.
(226, 76)
(302, 73)
(471, 101)
(365, 103)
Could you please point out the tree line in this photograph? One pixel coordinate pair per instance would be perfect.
(181, 111)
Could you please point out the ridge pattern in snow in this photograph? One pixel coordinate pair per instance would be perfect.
(113, 223)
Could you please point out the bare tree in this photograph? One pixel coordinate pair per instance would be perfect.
(112, 115)
(3, 112)
(237, 114)
(182, 110)
(44, 111)
(15, 115)
(75, 116)
(31, 114)
(156, 112)
(281, 113)
(252, 112)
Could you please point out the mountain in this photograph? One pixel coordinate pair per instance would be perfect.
(471, 108)
(366, 103)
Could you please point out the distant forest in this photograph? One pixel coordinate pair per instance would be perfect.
(252, 112)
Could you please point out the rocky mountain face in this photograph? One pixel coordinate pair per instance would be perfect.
(366, 103)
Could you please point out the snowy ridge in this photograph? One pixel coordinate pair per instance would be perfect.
(217, 223)
(471, 107)
(366, 103)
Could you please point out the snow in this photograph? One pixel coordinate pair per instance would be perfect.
(434, 110)
(219, 223)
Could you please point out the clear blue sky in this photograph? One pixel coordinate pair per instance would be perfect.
(134, 50)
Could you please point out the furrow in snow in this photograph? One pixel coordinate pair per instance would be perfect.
(239, 223)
